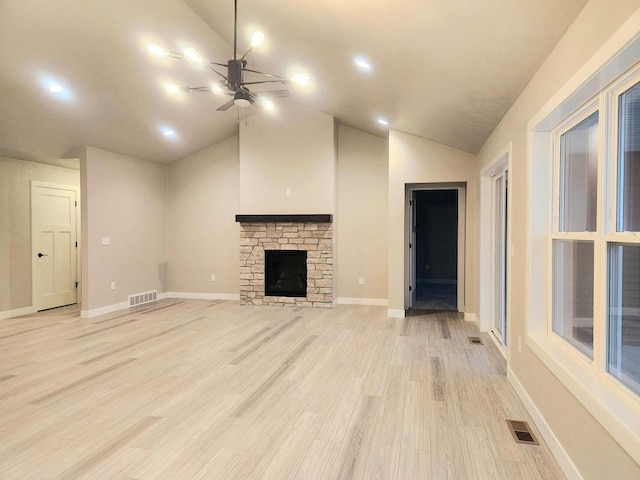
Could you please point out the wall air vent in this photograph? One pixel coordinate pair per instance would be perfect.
(521, 432)
(475, 340)
(140, 298)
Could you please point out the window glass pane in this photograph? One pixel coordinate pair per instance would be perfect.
(629, 160)
(623, 354)
(573, 293)
(579, 176)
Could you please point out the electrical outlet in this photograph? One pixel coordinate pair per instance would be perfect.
(519, 344)
(113, 285)
(287, 192)
(361, 281)
(213, 277)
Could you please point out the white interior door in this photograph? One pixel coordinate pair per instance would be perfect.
(499, 255)
(53, 244)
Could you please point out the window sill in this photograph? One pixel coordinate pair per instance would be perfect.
(617, 410)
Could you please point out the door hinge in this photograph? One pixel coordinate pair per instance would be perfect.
(76, 284)
(76, 203)
(411, 203)
(76, 244)
(409, 287)
(410, 246)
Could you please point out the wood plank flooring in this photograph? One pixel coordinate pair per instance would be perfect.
(189, 389)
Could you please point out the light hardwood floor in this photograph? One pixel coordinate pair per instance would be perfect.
(186, 389)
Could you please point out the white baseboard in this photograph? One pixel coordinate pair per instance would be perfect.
(203, 296)
(471, 317)
(362, 301)
(391, 313)
(96, 312)
(558, 451)
(17, 312)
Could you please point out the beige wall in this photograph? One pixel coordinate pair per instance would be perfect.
(594, 452)
(293, 148)
(203, 237)
(15, 225)
(125, 199)
(363, 174)
(416, 160)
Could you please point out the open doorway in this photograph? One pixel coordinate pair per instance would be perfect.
(436, 247)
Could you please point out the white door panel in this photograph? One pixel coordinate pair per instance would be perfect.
(53, 244)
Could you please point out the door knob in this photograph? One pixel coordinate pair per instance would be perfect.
(40, 255)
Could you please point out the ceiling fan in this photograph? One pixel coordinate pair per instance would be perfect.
(233, 83)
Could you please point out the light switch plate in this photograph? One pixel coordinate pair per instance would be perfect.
(106, 241)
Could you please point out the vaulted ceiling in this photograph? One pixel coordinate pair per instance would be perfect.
(446, 70)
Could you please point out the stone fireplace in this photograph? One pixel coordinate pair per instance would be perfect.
(312, 234)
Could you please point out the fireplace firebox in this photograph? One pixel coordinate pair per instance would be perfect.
(285, 273)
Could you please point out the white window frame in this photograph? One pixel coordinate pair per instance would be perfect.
(599, 81)
(556, 234)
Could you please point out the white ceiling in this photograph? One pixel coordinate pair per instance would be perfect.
(446, 70)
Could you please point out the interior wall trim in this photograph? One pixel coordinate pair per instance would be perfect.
(557, 450)
(17, 312)
(362, 301)
(203, 296)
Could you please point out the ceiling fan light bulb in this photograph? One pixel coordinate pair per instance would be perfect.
(193, 56)
(216, 89)
(156, 51)
(301, 78)
(257, 39)
(268, 105)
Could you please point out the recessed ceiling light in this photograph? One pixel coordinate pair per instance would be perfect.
(383, 121)
(168, 132)
(362, 63)
(56, 88)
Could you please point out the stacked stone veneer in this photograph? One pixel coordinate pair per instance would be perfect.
(315, 238)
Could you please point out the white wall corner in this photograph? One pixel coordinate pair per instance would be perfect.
(557, 450)
(362, 301)
(391, 313)
(471, 317)
(18, 312)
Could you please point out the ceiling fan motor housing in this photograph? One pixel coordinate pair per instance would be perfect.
(235, 74)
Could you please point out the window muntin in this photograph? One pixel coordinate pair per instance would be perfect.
(628, 218)
(579, 176)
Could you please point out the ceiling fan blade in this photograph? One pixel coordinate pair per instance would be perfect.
(226, 106)
(273, 93)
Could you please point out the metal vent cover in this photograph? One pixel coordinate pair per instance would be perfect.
(141, 298)
(521, 432)
(475, 340)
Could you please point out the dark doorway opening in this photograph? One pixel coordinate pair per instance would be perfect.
(285, 273)
(436, 249)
